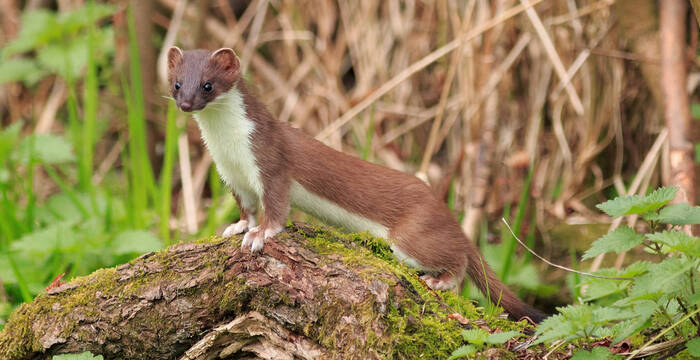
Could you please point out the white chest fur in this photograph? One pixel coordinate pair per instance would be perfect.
(226, 131)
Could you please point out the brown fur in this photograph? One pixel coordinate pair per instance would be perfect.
(419, 223)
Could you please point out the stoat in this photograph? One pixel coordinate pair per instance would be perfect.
(271, 165)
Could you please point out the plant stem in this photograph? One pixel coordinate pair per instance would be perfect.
(659, 335)
(685, 310)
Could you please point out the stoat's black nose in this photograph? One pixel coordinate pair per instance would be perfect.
(186, 106)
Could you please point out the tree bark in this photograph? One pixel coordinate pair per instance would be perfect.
(311, 293)
(672, 29)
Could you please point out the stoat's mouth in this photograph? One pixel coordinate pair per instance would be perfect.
(192, 109)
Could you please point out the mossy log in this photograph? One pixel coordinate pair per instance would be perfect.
(311, 293)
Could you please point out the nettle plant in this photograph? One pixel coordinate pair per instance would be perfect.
(657, 298)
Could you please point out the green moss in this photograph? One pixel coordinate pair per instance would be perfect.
(17, 340)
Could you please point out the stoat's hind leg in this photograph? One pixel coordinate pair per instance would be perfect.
(444, 281)
(429, 238)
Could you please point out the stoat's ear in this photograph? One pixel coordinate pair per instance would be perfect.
(175, 57)
(225, 59)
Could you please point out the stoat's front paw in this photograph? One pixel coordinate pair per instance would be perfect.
(255, 237)
(236, 228)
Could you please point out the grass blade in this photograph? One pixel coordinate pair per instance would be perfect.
(90, 101)
(137, 117)
(509, 248)
(67, 189)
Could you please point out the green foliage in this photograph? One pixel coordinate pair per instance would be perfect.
(597, 353)
(638, 204)
(677, 214)
(695, 110)
(475, 336)
(618, 240)
(693, 346)
(478, 337)
(61, 41)
(82, 356)
(46, 149)
(20, 70)
(136, 241)
(462, 351)
(72, 232)
(645, 296)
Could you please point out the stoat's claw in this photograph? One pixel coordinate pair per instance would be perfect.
(255, 237)
(257, 244)
(250, 236)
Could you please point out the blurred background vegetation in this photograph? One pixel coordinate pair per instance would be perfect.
(534, 114)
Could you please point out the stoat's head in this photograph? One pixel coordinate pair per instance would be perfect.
(197, 77)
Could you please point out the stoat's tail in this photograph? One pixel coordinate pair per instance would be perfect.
(489, 284)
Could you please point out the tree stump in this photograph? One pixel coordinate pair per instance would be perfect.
(311, 293)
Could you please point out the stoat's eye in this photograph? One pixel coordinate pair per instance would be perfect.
(177, 85)
(207, 87)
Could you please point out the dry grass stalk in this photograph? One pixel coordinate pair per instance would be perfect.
(189, 202)
(553, 56)
(419, 65)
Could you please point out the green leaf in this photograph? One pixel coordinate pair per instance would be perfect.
(525, 276)
(462, 351)
(9, 137)
(25, 70)
(638, 204)
(678, 241)
(599, 288)
(475, 336)
(136, 241)
(694, 299)
(68, 60)
(695, 110)
(618, 240)
(6, 273)
(502, 337)
(82, 356)
(59, 236)
(572, 322)
(642, 312)
(82, 16)
(38, 27)
(679, 214)
(667, 277)
(634, 269)
(46, 149)
(597, 353)
(693, 346)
